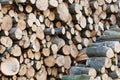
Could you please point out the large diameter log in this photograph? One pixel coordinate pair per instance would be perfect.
(99, 62)
(77, 77)
(83, 70)
(101, 51)
(10, 66)
(115, 45)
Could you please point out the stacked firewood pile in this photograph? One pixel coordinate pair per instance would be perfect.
(104, 59)
(42, 39)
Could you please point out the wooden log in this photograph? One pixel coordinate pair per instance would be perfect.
(101, 51)
(112, 44)
(53, 3)
(41, 74)
(60, 60)
(82, 55)
(22, 70)
(6, 41)
(49, 61)
(66, 49)
(7, 23)
(54, 48)
(99, 62)
(104, 76)
(59, 41)
(10, 66)
(63, 12)
(30, 72)
(74, 8)
(16, 50)
(2, 49)
(16, 33)
(73, 51)
(46, 51)
(44, 5)
(68, 62)
(77, 77)
(115, 74)
(83, 70)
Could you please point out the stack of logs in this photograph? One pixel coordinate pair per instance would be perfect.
(42, 39)
(104, 59)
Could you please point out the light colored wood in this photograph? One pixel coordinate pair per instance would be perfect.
(10, 66)
(63, 12)
(39, 33)
(73, 51)
(46, 51)
(30, 72)
(60, 60)
(42, 74)
(22, 70)
(6, 41)
(2, 49)
(42, 5)
(53, 3)
(49, 61)
(54, 48)
(68, 62)
(28, 8)
(16, 50)
(59, 41)
(54, 71)
(7, 23)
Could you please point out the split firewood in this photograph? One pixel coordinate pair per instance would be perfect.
(10, 66)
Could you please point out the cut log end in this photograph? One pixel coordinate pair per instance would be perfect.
(10, 66)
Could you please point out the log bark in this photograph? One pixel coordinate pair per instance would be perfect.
(112, 44)
(101, 51)
(77, 77)
(99, 62)
(82, 70)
